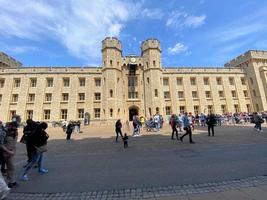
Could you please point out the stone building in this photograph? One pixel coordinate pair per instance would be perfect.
(124, 86)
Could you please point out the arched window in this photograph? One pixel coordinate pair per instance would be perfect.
(111, 112)
(111, 93)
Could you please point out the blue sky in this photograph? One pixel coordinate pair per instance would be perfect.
(191, 32)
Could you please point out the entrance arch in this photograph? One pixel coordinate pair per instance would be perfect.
(133, 110)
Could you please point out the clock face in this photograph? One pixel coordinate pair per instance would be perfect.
(133, 59)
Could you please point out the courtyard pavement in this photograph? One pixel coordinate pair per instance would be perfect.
(231, 165)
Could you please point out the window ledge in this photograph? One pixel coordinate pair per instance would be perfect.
(13, 103)
(47, 102)
(97, 101)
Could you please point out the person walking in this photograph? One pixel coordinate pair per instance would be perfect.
(187, 128)
(2, 140)
(118, 126)
(69, 131)
(39, 140)
(258, 121)
(211, 122)
(9, 148)
(174, 123)
(28, 131)
(125, 140)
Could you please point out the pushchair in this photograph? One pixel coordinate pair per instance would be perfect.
(150, 125)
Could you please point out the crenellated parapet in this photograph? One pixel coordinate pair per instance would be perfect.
(111, 42)
(8, 62)
(150, 44)
(246, 57)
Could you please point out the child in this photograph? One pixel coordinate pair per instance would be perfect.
(125, 140)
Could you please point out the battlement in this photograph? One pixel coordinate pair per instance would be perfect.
(150, 44)
(111, 42)
(8, 62)
(246, 57)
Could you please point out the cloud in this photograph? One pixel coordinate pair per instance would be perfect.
(78, 25)
(153, 13)
(180, 19)
(178, 49)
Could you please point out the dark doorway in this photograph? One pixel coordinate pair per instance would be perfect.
(132, 111)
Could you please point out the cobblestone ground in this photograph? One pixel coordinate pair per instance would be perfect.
(150, 192)
(95, 142)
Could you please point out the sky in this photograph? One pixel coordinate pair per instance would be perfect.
(192, 33)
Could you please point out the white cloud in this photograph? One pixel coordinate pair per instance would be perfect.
(153, 13)
(78, 25)
(184, 20)
(178, 49)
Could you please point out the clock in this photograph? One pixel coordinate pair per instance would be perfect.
(133, 60)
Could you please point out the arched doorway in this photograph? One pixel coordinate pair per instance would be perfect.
(132, 111)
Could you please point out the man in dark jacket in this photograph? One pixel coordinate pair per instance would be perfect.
(211, 122)
(118, 126)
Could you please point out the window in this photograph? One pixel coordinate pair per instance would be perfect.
(223, 109)
(236, 108)
(65, 96)
(0, 97)
(166, 95)
(180, 94)
(110, 62)
(193, 81)
(157, 110)
(31, 98)
(48, 97)
(233, 93)
(33, 82)
(245, 93)
(2, 83)
(17, 82)
(49, 82)
(111, 93)
(196, 110)
(251, 80)
(248, 108)
(81, 96)
(208, 94)
(206, 81)
(111, 112)
(254, 93)
(97, 96)
(82, 82)
(15, 97)
(64, 114)
(132, 95)
(132, 81)
(243, 80)
(156, 93)
(46, 114)
(66, 82)
(194, 95)
(231, 81)
(182, 109)
(97, 113)
(210, 109)
(179, 81)
(29, 114)
(168, 110)
(154, 63)
(80, 113)
(219, 80)
(257, 107)
(12, 114)
(147, 80)
(165, 81)
(97, 82)
(221, 94)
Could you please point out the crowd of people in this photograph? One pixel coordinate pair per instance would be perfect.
(187, 122)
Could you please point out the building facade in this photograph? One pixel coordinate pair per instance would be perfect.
(130, 85)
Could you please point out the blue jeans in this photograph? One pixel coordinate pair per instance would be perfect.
(258, 126)
(37, 158)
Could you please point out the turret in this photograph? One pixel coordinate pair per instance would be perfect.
(111, 53)
(151, 53)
